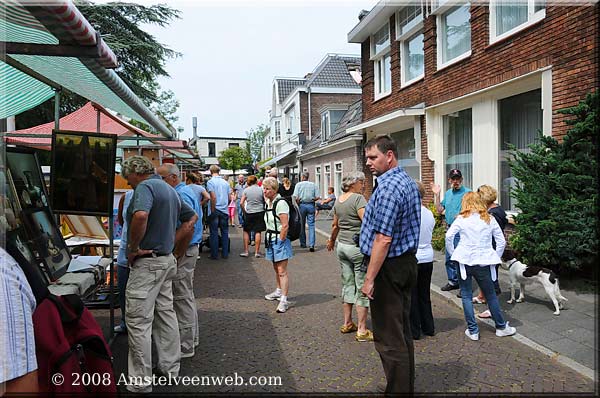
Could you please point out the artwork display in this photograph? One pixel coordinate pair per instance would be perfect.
(88, 226)
(82, 178)
(28, 183)
(47, 242)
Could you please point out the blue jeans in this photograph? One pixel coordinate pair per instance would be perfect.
(240, 214)
(483, 276)
(122, 277)
(219, 221)
(307, 213)
(452, 266)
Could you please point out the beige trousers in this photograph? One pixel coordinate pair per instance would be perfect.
(184, 301)
(150, 316)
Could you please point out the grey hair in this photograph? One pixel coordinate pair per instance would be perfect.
(136, 165)
(305, 174)
(172, 169)
(273, 172)
(271, 182)
(351, 179)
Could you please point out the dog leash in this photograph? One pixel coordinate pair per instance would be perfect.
(514, 261)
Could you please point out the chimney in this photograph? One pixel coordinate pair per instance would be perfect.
(307, 76)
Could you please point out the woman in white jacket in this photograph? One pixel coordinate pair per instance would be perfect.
(476, 258)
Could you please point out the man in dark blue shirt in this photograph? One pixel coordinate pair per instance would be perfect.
(389, 238)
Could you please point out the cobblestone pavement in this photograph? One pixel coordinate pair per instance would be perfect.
(242, 334)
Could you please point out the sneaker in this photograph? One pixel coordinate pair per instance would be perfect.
(459, 295)
(365, 337)
(474, 336)
(244, 254)
(507, 331)
(258, 255)
(120, 329)
(449, 287)
(282, 307)
(187, 354)
(273, 296)
(312, 249)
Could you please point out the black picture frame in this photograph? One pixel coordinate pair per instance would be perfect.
(82, 177)
(47, 241)
(27, 179)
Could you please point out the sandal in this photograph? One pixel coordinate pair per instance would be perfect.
(485, 314)
(477, 300)
(348, 328)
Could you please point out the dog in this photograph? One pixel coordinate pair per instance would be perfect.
(521, 274)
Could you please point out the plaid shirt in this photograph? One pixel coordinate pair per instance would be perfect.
(393, 210)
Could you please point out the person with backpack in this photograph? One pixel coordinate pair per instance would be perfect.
(306, 194)
(278, 246)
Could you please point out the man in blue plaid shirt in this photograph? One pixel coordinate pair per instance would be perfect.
(389, 238)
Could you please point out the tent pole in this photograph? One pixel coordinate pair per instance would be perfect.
(57, 108)
(98, 121)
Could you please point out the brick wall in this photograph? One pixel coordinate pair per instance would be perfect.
(566, 39)
(351, 159)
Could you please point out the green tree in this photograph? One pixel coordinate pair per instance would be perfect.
(234, 158)
(141, 57)
(557, 193)
(256, 139)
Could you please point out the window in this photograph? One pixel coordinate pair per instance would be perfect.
(454, 35)
(408, 18)
(327, 180)
(407, 152)
(277, 130)
(458, 128)
(337, 185)
(508, 17)
(412, 56)
(211, 150)
(289, 119)
(232, 144)
(330, 120)
(520, 119)
(318, 176)
(380, 55)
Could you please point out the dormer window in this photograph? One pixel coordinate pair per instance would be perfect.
(330, 119)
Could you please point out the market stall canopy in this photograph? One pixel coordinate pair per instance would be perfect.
(86, 119)
(52, 46)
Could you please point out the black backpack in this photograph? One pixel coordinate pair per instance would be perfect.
(294, 221)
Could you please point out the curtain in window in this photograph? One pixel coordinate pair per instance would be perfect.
(520, 119)
(459, 140)
(407, 153)
(385, 74)
(510, 14)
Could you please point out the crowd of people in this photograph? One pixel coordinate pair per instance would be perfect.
(383, 246)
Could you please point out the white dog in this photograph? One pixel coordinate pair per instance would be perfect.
(521, 274)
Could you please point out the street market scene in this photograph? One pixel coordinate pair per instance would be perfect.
(362, 198)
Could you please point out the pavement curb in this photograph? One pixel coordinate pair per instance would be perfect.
(555, 356)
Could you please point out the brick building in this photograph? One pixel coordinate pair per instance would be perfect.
(454, 83)
(302, 107)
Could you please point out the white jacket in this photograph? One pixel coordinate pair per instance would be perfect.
(475, 245)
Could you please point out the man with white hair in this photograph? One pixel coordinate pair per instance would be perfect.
(154, 242)
(184, 301)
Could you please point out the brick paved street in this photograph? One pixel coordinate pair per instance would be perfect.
(241, 332)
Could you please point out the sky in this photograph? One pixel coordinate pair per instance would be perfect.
(231, 51)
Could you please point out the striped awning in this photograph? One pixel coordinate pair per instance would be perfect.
(27, 80)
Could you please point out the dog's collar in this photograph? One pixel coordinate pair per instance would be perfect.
(513, 261)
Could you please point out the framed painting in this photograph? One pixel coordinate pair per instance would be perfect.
(82, 178)
(47, 242)
(27, 179)
(88, 226)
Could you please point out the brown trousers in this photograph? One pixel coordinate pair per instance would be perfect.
(390, 313)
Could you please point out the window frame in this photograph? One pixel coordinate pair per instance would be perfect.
(277, 128)
(378, 59)
(214, 153)
(338, 188)
(533, 17)
(403, 44)
(318, 174)
(440, 12)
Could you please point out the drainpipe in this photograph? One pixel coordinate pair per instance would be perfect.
(309, 117)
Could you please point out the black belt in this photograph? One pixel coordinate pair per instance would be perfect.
(153, 254)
